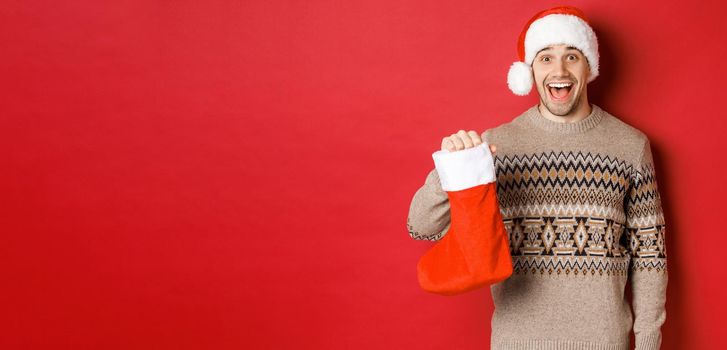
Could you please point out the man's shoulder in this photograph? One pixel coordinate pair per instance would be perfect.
(620, 130)
(614, 128)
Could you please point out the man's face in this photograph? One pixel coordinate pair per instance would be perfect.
(561, 64)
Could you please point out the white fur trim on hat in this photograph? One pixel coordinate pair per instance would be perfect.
(520, 78)
(562, 29)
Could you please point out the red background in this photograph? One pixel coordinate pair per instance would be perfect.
(226, 175)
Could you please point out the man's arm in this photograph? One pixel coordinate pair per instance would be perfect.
(428, 217)
(645, 227)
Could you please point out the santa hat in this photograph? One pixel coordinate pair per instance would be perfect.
(559, 25)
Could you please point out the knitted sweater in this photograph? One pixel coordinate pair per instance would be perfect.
(583, 214)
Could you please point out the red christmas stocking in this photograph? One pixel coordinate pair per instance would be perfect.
(475, 250)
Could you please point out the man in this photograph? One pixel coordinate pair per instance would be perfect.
(578, 194)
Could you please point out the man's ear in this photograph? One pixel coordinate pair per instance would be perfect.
(588, 76)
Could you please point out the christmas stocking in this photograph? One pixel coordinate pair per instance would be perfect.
(475, 250)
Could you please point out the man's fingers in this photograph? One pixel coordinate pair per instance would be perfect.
(461, 140)
(447, 144)
(475, 137)
(458, 144)
(465, 137)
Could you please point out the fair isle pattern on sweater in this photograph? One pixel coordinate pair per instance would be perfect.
(583, 213)
(568, 186)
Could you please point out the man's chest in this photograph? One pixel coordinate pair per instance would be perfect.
(565, 179)
(563, 203)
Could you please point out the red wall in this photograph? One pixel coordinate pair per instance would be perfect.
(227, 175)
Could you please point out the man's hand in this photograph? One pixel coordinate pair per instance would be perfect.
(463, 139)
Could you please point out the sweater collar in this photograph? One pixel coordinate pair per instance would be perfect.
(534, 117)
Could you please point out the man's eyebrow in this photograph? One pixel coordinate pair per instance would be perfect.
(550, 48)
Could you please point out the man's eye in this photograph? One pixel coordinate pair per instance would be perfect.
(545, 59)
(573, 57)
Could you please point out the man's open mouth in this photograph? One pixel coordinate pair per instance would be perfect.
(560, 91)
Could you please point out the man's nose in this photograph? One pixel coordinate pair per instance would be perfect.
(560, 67)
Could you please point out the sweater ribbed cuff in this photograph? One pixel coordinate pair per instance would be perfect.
(651, 341)
(465, 168)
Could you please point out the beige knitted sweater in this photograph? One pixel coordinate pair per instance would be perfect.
(582, 209)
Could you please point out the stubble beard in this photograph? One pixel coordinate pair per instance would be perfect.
(560, 109)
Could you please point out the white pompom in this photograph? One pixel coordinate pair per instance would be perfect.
(520, 78)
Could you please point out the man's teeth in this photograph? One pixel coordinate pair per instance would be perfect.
(560, 85)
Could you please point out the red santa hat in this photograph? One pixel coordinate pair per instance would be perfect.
(559, 25)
